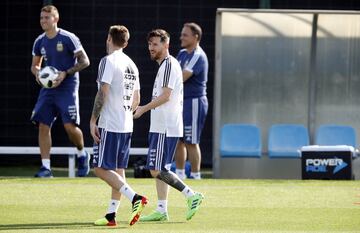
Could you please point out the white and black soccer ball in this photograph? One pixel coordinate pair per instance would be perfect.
(47, 75)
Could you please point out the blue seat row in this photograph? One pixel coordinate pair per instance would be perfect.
(284, 141)
(240, 140)
(336, 135)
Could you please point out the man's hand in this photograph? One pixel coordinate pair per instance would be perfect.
(37, 78)
(139, 111)
(59, 79)
(94, 130)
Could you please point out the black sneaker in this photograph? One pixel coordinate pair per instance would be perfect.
(44, 173)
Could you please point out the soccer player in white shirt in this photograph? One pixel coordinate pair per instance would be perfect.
(166, 126)
(118, 95)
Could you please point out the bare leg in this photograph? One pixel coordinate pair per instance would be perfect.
(162, 188)
(180, 155)
(115, 179)
(115, 194)
(194, 155)
(110, 177)
(44, 141)
(75, 135)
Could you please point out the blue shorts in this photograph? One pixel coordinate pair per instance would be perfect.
(161, 151)
(52, 103)
(113, 150)
(194, 115)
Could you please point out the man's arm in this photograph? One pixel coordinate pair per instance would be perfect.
(186, 75)
(35, 67)
(195, 65)
(136, 100)
(82, 62)
(161, 99)
(99, 101)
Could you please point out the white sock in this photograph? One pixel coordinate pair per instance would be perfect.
(188, 192)
(181, 173)
(113, 206)
(196, 175)
(162, 206)
(127, 191)
(46, 163)
(81, 153)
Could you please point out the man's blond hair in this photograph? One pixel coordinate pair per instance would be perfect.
(51, 9)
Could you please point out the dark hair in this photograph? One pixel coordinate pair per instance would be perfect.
(119, 35)
(51, 9)
(164, 36)
(195, 29)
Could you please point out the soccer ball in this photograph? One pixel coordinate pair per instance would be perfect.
(47, 75)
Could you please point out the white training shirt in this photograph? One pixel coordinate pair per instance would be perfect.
(118, 70)
(167, 118)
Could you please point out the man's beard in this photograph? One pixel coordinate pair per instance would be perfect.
(155, 56)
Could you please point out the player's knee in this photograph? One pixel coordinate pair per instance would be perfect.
(69, 128)
(44, 129)
(180, 143)
(74, 133)
(98, 171)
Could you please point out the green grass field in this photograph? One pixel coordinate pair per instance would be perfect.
(71, 205)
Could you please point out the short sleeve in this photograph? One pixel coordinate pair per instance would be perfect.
(36, 47)
(105, 71)
(199, 66)
(170, 74)
(196, 64)
(74, 43)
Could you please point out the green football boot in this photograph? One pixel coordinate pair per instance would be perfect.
(155, 216)
(193, 204)
(105, 222)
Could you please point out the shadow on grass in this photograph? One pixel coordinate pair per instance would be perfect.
(74, 225)
(70, 226)
(154, 222)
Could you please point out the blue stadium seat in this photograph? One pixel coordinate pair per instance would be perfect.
(286, 140)
(240, 140)
(332, 135)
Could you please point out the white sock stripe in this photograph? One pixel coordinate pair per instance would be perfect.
(113, 206)
(128, 192)
(162, 206)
